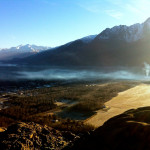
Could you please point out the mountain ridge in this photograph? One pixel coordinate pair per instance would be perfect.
(130, 33)
(125, 46)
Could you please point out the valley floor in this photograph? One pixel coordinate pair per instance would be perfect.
(64, 106)
(135, 97)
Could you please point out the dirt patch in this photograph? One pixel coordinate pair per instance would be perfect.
(65, 102)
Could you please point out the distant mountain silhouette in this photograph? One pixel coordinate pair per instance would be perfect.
(118, 46)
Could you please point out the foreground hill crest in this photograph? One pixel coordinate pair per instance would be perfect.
(128, 131)
(31, 136)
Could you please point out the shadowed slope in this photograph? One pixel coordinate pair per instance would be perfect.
(128, 131)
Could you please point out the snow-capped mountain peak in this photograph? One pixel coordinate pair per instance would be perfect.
(27, 48)
(128, 33)
(21, 51)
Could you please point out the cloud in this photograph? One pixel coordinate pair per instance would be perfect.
(94, 6)
(115, 14)
(139, 7)
(136, 8)
(91, 8)
(101, 7)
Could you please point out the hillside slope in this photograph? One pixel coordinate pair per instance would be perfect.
(128, 131)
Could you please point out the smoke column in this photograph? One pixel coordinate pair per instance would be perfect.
(146, 69)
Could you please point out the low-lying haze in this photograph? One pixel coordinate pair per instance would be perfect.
(9, 72)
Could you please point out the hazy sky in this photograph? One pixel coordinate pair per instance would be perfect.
(56, 22)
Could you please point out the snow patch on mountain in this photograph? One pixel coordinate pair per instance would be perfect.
(88, 39)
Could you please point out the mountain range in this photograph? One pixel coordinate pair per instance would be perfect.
(118, 46)
(20, 51)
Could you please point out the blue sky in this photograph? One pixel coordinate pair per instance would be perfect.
(56, 22)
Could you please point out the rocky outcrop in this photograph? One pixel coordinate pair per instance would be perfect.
(32, 136)
(128, 131)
